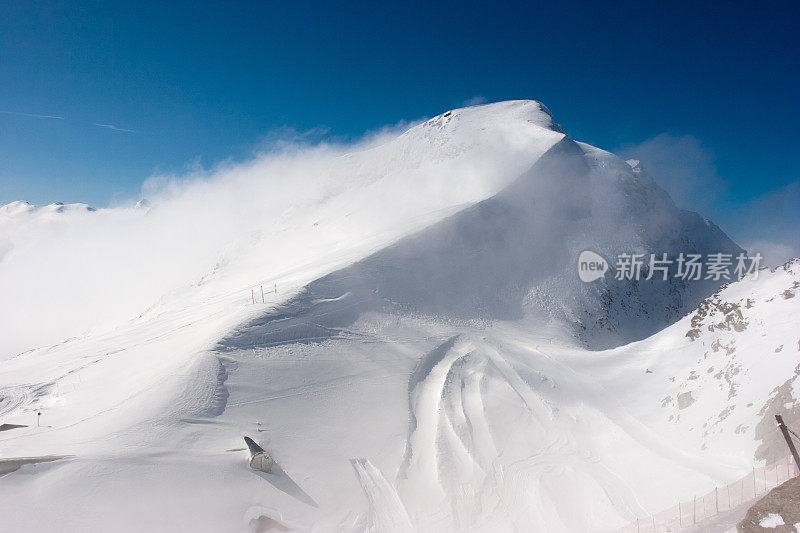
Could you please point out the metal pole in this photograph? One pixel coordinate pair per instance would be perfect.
(789, 442)
(262, 295)
(253, 294)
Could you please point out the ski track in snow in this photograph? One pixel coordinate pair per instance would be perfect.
(451, 435)
(386, 510)
(13, 399)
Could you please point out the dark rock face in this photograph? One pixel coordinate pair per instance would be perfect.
(783, 500)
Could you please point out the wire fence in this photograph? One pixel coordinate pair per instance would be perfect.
(686, 514)
(257, 295)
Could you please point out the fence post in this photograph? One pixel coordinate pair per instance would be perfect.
(729, 497)
(253, 294)
(262, 295)
(716, 500)
(789, 443)
(741, 493)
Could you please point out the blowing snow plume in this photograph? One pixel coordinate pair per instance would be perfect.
(515, 254)
(70, 273)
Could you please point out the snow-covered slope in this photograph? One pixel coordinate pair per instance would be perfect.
(516, 253)
(423, 364)
(725, 369)
(512, 426)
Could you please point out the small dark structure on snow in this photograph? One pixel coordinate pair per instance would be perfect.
(259, 459)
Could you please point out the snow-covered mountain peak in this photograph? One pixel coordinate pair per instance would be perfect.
(635, 165)
(486, 115)
(16, 207)
(19, 208)
(523, 202)
(144, 203)
(402, 326)
(233, 227)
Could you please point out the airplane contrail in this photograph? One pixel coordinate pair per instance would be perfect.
(115, 128)
(33, 115)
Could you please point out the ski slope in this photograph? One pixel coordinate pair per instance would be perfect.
(429, 361)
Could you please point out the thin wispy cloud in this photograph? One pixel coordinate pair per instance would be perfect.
(115, 128)
(32, 115)
(56, 117)
(685, 167)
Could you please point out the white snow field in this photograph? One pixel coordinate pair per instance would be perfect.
(430, 360)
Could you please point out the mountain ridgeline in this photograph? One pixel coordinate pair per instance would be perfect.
(515, 254)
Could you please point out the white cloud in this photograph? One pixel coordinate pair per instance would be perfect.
(770, 220)
(772, 253)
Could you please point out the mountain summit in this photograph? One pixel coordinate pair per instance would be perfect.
(516, 252)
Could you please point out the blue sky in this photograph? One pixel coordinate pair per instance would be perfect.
(199, 82)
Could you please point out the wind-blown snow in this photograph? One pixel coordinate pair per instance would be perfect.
(423, 364)
(255, 222)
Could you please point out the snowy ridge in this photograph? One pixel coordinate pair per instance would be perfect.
(20, 208)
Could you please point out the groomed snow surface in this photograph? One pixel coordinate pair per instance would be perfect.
(423, 357)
